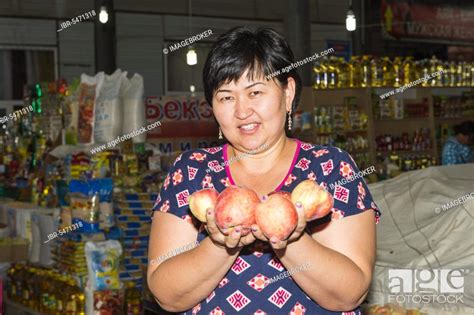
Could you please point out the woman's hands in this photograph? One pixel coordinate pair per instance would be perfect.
(281, 244)
(234, 240)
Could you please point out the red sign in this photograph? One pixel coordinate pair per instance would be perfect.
(180, 117)
(406, 19)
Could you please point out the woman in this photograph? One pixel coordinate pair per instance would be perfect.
(456, 149)
(229, 275)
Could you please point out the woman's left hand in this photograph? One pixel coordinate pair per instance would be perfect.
(295, 235)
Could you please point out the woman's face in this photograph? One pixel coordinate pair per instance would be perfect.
(252, 113)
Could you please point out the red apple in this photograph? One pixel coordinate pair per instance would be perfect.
(236, 206)
(317, 202)
(201, 200)
(283, 193)
(276, 216)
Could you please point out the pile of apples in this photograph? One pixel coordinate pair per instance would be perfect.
(276, 216)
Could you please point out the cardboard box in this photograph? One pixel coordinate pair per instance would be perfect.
(14, 250)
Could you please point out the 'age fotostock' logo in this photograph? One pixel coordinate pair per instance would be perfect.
(426, 285)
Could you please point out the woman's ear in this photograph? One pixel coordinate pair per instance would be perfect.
(290, 93)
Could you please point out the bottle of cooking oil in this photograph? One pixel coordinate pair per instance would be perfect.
(471, 66)
(466, 74)
(354, 72)
(452, 72)
(333, 79)
(324, 70)
(425, 72)
(376, 69)
(387, 72)
(408, 71)
(439, 72)
(342, 73)
(446, 76)
(365, 71)
(397, 72)
(459, 72)
(317, 75)
(433, 63)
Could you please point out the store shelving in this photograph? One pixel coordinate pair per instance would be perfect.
(368, 98)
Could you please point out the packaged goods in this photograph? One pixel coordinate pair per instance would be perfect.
(368, 71)
(88, 92)
(132, 92)
(71, 117)
(108, 109)
(91, 203)
(85, 209)
(103, 260)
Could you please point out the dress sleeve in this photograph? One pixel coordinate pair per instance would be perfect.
(345, 182)
(174, 194)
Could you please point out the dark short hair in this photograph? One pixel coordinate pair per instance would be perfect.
(262, 51)
(465, 128)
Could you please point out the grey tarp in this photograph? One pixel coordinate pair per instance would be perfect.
(416, 233)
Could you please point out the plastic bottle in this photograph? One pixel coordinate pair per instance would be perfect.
(387, 72)
(332, 72)
(342, 73)
(354, 72)
(459, 72)
(376, 70)
(365, 72)
(408, 71)
(397, 72)
(452, 72)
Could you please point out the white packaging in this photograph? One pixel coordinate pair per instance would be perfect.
(132, 92)
(108, 109)
(88, 93)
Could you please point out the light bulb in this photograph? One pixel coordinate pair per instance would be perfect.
(191, 57)
(192, 88)
(350, 21)
(103, 15)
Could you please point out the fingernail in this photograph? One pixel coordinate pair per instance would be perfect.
(209, 212)
(254, 229)
(237, 230)
(298, 204)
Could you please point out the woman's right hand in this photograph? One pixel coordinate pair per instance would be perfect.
(234, 240)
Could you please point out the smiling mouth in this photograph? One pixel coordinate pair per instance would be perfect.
(249, 127)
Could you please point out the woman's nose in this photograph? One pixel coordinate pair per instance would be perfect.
(242, 108)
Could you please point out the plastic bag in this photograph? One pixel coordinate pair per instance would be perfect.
(108, 109)
(88, 92)
(91, 203)
(103, 261)
(132, 92)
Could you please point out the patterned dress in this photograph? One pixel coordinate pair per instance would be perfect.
(246, 288)
(456, 153)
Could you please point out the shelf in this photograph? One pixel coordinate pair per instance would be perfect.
(14, 308)
(405, 152)
(403, 119)
(450, 118)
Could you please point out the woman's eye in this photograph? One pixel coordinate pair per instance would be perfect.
(226, 98)
(254, 93)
